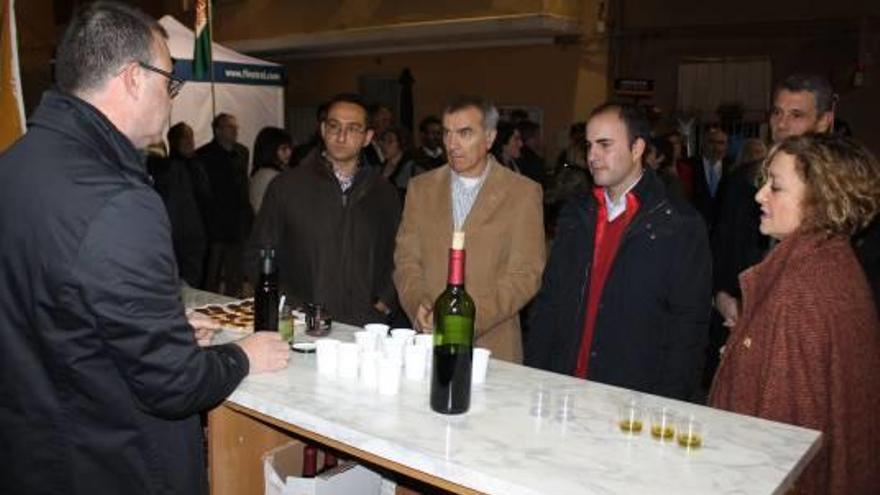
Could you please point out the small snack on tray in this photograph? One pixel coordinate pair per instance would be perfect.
(237, 315)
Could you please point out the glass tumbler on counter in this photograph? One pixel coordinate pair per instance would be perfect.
(542, 401)
(318, 320)
(286, 323)
(630, 416)
(663, 423)
(690, 432)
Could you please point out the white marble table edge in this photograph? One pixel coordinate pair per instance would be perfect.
(419, 461)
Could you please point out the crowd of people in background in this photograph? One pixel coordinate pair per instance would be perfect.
(664, 265)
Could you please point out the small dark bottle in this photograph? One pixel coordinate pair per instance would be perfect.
(266, 293)
(310, 461)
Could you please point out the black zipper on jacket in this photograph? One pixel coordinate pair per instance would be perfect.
(581, 311)
(629, 232)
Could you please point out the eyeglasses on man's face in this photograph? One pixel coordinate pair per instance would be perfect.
(175, 84)
(335, 128)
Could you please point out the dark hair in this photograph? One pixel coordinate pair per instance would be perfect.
(101, 38)
(175, 134)
(633, 117)
(321, 112)
(352, 99)
(490, 113)
(518, 115)
(218, 119)
(266, 145)
(403, 138)
(815, 84)
(528, 129)
(428, 121)
(578, 129)
(503, 136)
(662, 147)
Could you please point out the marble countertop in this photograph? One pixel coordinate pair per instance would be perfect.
(498, 446)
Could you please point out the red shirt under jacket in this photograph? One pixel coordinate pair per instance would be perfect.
(606, 242)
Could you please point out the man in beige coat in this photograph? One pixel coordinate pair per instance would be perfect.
(501, 214)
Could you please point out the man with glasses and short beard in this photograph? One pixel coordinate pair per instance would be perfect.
(332, 222)
(102, 377)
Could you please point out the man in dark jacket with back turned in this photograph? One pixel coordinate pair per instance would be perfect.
(181, 182)
(332, 221)
(102, 380)
(229, 213)
(626, 293)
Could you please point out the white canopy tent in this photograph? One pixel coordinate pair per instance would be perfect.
(249, 88)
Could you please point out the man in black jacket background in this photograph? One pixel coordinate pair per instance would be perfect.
(625, 298)
(181, 181)
(229, 213)
(102, 377)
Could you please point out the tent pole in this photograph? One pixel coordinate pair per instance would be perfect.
(211, 57)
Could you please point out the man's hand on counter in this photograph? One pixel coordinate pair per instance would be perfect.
(265, 351)
(204, 327)
(425, 317)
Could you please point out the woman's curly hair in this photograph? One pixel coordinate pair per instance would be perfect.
(842, 181)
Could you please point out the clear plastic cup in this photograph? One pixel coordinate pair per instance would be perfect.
(424, 340)
(369, 369)
(415, 362)
(565, 405)
(380, 329)
(479, 365)
(393, 348)
(366, 340)
(327, 356)
(542, 399)
(405, 334)
(389, 375)
(347, 366)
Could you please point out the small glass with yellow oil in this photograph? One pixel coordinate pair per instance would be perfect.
(630, 416)
(690, 432)
(663, 423)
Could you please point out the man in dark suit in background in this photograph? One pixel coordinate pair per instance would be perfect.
(381, 118)
(709, 170)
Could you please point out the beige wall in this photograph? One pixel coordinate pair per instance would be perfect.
(236, 20)
(564, 79)
(543, 76)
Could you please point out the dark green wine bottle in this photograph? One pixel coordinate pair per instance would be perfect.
(266, 293)
(454, 314)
